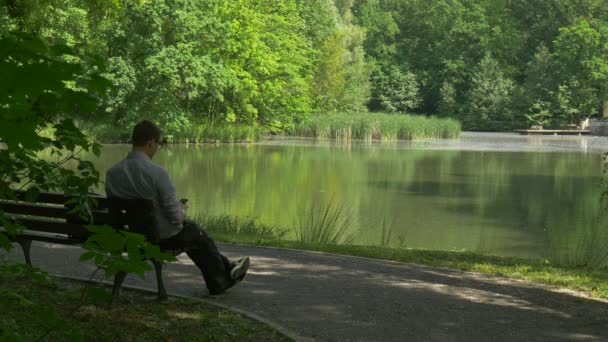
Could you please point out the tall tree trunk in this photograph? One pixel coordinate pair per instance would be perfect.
(582, 8)
(604, 109)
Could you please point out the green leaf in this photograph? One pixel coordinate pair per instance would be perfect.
(87, 256)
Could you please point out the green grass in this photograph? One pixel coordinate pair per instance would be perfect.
(377, 126)
(248, 229)
(592, 281)
(143, 319)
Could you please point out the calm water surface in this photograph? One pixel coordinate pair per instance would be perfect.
(496, 193)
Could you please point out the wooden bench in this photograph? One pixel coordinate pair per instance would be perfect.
(49, 219)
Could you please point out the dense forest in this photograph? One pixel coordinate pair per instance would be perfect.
(491, 64)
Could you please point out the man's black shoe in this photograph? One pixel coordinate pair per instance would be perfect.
(239, 270)
(237, 273)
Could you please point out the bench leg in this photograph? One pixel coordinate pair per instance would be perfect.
(119, 278)
(25, 245)
(162, 292)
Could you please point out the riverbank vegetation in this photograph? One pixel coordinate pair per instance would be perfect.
(492, 65)
(377, 126)
(195, 133)
(82, 318)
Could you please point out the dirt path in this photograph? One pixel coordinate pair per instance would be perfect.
(339, 298)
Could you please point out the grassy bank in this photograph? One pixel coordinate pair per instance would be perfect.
(197, 133)
(143, 319)
(593, 282)
(377, 126)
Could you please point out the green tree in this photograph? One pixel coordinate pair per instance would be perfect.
(488, 106)
(448, 106)
(396, 91)
(342, 77)
(242, 61)
(581, 56)
(537, 97)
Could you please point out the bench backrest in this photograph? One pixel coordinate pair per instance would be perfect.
(50, 213)
(134, 215)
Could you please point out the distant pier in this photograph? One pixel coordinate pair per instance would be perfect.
(553, 131)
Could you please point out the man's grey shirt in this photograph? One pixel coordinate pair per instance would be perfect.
(137, 177)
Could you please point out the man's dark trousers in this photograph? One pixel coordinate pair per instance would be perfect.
(204, 253)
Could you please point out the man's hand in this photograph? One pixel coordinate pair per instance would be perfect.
(184, 203)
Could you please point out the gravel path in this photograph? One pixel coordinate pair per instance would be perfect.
(337, 298)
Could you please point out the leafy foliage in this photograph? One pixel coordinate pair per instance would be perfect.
(397, 91)
(553, 53)
(106, 247)
(37, 117)
(28, 108)
(186, 63)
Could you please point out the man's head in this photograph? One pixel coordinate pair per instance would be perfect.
(146, 138)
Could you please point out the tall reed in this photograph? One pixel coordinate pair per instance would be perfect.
(323, 223)
(586, 246)
(377, 126)
(207, 133)
(385, 234)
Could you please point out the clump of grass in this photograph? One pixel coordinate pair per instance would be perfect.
(323, 224)
(377, 126)
(236, 226)
(385, 234)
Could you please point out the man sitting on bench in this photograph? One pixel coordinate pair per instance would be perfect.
(137, 177)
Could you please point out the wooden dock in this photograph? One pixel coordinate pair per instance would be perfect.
(553, 131)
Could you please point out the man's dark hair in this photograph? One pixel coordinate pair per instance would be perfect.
(144, 131)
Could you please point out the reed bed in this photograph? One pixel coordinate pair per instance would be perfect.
(205, 133)
(377, 126)
(586, 246)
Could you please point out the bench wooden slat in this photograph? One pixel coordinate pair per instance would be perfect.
(100, 217)
(60, 239)
(34, 209)
(53, 226)
(44, 197)
(60, 198)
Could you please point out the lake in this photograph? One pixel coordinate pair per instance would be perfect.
(504, 194)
